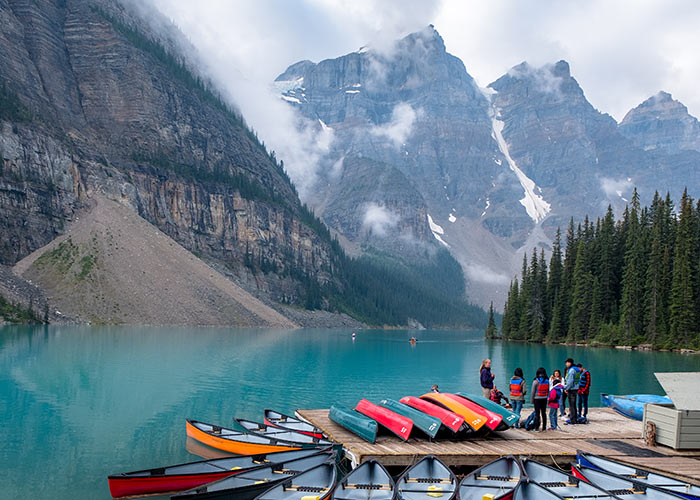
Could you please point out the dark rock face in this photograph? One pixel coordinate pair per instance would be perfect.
(110, 114)
(662, 123)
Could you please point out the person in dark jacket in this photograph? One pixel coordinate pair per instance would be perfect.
(573, 379)
(584, 389)
(540, 394)
(486, 378)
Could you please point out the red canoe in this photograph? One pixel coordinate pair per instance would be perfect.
(493, 420)
(398, 424)
(449, 419)
(190, 475)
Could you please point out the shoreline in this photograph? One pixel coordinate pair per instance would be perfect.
(641, 347)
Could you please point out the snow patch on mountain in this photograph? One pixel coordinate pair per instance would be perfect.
(451, 218)
(437, 231)
(535, 205)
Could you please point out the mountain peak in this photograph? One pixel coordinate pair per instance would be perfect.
(662, 122)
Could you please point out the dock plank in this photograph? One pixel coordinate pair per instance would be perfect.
(608, 434)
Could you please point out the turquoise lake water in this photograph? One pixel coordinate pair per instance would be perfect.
(78, 403)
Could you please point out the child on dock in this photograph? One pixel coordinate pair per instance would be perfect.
(555, 392)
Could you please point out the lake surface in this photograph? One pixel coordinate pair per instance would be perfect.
(78, 403)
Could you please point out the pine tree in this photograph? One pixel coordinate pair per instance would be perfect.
(511, 313)
(491, 330)
(581, 297)
(524, 302)
(682, 299)
(633, 278)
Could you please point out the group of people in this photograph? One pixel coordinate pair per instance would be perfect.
(553, 392)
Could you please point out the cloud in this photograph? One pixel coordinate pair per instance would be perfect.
(617, 188)
(633, 50)
(478, 273)
(399, 126)
(378, 219)
(546, 81)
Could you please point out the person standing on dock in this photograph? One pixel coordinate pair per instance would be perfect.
(486, 378)
(556, 374)
(518, 389)
(584, 389)
(573, 379)
(540, 394)
(555, 391)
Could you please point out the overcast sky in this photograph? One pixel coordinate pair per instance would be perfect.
(620, 51)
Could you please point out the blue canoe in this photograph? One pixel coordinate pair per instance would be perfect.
(632, 405)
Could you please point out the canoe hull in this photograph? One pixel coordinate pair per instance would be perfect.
(494, 420)
(449, 419)
(475, 420)
(358, 424)
(232, 446)
(285, 422)
(646, 477)
(425, 423)
(398, 424)
(124, 486)
(247, 493)
(509, 418)
(498, 478)
(632, 406)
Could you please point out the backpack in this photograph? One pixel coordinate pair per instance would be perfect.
(530, 422)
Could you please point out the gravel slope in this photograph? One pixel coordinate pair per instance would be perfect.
(114, 267)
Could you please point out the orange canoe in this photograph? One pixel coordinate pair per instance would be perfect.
(494, 419)
(239, 443)
(473, 419)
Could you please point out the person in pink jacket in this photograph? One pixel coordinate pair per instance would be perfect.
(555, 392)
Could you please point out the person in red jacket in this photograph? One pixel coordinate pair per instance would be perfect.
(584, 389)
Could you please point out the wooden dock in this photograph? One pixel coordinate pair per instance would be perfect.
(608, 434)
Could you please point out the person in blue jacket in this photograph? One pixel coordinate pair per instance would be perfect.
(573, 379)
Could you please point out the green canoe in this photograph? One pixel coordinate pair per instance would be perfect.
(355, 422)
(429, 425)
(509, 417)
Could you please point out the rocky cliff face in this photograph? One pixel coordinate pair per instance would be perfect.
(498, 169)
(662, 123)
(415, 109)
(104, 108)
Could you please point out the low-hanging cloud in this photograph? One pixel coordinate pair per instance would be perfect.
(546, 81)
(399, 126)
(379, 220)
(616, 188)
(477, 273)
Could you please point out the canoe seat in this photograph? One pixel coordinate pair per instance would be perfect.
(361, 486)
(216, 429)
(157, 472)
(629, 491)
(557, 484)
(310, 489)
(428, 480)
(498, 478)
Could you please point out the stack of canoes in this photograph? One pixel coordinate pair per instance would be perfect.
(432, 415)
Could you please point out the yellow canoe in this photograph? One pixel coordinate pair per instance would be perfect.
(473, 419)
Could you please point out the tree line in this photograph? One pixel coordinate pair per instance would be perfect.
(633, 281)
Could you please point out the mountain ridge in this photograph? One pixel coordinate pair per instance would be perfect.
(516, 159)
